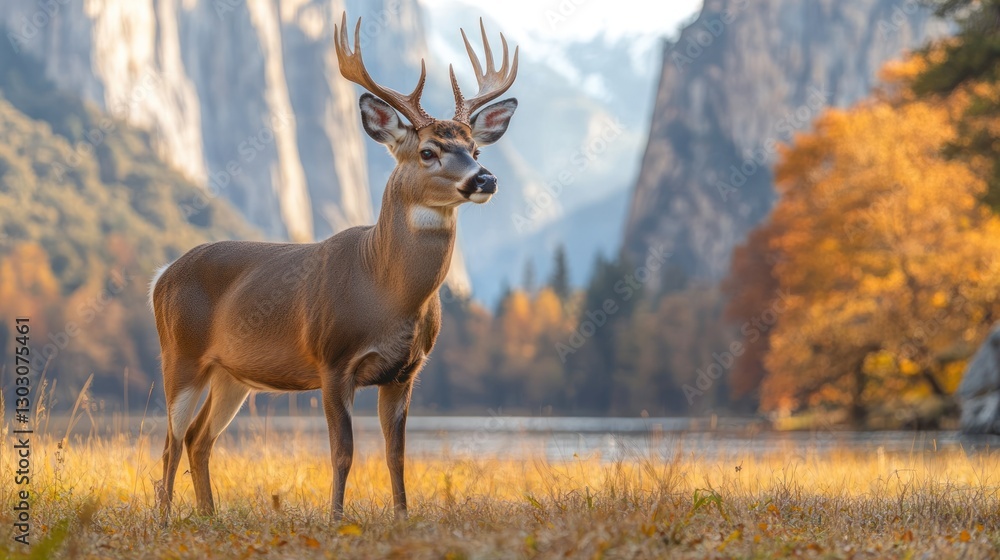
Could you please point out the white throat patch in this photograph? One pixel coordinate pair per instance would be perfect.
(425, 217)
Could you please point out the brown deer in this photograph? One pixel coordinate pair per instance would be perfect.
(358, 309)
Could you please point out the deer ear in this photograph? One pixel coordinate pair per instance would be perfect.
(489, 124)
(380, 121)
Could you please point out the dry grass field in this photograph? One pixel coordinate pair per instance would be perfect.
(94, 499)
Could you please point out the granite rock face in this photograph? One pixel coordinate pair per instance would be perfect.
(244, 97)
(742, 78)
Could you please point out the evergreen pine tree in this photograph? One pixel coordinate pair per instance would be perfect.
(590, 367)
(972, 55)
(505, 292)
(559, 281)
(528, 279)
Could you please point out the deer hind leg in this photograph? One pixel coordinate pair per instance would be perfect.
(225, 396)
(181, 404)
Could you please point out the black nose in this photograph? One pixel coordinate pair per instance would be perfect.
(486, 182)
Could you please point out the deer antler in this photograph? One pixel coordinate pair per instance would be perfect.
(492, 83)
(352, 67)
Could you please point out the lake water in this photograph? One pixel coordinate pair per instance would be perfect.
(563, 438)
(608, 438)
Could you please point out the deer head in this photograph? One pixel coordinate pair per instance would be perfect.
(438, 157)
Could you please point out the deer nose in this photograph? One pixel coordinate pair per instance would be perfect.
(486, 183)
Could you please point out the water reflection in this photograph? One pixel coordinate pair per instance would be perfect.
(609, 439)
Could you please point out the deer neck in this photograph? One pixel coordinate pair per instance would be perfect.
(410, 247)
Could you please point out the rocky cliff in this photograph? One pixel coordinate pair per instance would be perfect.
(244, 97)
(979, 392)
(741, 79)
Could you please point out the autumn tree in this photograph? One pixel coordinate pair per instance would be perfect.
(890, 266)
(751, 288)
(669, 343)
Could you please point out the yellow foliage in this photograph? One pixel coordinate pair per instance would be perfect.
(549, 310)
(26, 271)
(518, 326)
(884, 243)
(525, 320)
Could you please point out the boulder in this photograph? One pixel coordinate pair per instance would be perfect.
(979, 391)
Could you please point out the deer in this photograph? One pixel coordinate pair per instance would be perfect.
(358, 309)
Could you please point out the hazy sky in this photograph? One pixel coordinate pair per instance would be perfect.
(582, 19)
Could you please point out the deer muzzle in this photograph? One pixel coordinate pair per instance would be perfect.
(486, 182)
(480, 187)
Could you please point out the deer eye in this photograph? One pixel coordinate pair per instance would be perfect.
(426, 155)
(475, 154)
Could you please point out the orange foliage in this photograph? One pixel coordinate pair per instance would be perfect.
(891, 263)
(751, 286)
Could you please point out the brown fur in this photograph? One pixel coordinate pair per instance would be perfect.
(358, 309)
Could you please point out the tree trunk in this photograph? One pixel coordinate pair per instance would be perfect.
(928, 376)
(858, 410)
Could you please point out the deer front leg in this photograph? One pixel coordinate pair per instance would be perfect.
(338, 402)
(393, 403)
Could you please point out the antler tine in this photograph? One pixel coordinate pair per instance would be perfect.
(459, 98)
(503, 66)
(352, 67)
(486, 47)
(492, 83)
(473, 57)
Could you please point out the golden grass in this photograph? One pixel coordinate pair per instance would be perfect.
(95, 500)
